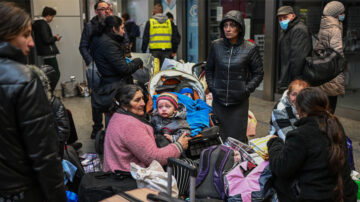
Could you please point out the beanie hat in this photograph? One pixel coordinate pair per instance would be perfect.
(169, 97)
(334, 9)
(187, 90)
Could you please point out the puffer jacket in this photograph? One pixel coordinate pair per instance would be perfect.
(28, 139)
(233, 71)
(44, 39)
(85, 41)
(295, 45)
(174, 126)
(109, 57)
(330, 36)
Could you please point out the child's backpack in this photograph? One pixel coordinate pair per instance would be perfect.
(249, 182)
(214, 162)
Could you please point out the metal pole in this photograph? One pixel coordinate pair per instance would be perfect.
(192, 188)
(169, 170)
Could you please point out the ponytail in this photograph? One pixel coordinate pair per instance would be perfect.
(315, 103)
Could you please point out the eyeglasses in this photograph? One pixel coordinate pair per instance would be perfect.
(103, 9)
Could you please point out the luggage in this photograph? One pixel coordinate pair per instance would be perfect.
(70, 88)
(71, 155)
(210, 137)
(249, 182)
(214, 162)
(321, 68)
(100, 185)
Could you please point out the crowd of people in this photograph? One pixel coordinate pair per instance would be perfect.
(308, 154)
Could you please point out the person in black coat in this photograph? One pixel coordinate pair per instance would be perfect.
(313, 159)
(294, 45)
(132, 30)
(109, 54)
(45, 40)
(30, 168)
(233, 70)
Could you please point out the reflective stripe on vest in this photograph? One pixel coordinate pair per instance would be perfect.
(160, 34)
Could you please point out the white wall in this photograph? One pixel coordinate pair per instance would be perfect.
(66, 23)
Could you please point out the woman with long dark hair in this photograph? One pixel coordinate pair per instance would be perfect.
(107, 49)
(313, 159)
(30, 168)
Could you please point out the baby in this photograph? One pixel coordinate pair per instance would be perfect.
(188, 92)
(169, 119)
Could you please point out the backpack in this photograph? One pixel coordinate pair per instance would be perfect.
(72, 156)
(214, 162)
(249, 182)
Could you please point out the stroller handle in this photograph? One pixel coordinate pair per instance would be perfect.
(200, 64)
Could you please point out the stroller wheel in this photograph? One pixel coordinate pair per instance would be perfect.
(99, 142)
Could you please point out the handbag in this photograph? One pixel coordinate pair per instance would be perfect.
(153, 177)
(323, 67)
(103, 95)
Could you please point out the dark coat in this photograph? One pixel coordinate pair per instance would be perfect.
(28, 140)
(295, 45)
(44, 39)
(109, 57)
(175, 37)
(233, 71)
(305, 157)
(89, 30)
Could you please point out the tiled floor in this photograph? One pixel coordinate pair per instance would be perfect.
(81, 111)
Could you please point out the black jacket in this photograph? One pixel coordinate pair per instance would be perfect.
(44, 39)
(233, 71)
(295, 45)
(28, 139)
(109, 57)
(175, 36)
(85, 41)
(305, 157)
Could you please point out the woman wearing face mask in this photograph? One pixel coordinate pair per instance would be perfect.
(233, 70)
(30, 168)
(330, 36)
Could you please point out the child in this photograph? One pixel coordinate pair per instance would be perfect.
(169, 119)
(188, 92)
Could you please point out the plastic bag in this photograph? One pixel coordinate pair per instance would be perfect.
(153, 177)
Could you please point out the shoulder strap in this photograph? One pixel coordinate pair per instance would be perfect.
(219, 169)
(204, 164)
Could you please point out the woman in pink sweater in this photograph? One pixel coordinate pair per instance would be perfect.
(130, 138)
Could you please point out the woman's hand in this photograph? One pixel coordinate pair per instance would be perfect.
(184, 140)
(168, 137)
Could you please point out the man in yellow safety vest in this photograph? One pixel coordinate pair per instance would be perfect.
(160, 35)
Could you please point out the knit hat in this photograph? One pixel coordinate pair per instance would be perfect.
(334, 9)
(169, 97)
(187, 90)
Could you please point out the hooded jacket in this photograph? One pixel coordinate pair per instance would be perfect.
(175, 37)
(174, 126)
(295, 45)
(233, 71)
(330, 36)
(28, 139)
(44, 39)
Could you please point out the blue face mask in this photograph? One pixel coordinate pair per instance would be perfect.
(284, 24)
(341, 18)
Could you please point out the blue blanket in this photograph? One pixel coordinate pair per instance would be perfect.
(197, 112)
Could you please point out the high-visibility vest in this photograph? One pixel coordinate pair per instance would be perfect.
(160, 34)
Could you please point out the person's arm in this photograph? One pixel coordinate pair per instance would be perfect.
(85, 44)
(286, 157)
(38, 132)
(175, 37)
(145, 39)
(45, 34)
(210, 68)
(336, 41)
(114, 55)
(144, 142)
(256, 70)
(62, 119)
(300, 48)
